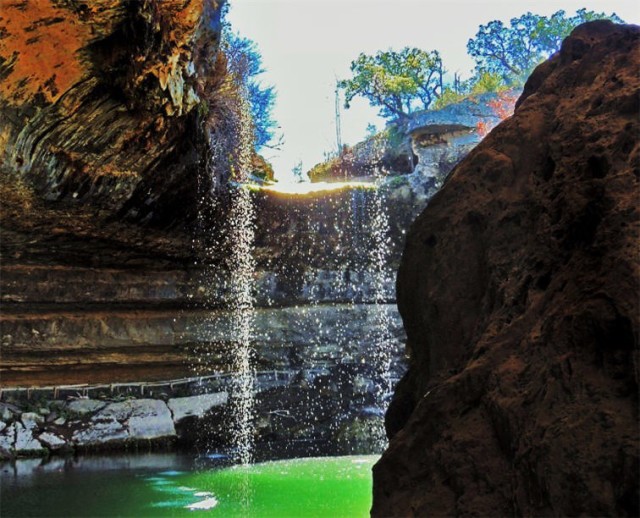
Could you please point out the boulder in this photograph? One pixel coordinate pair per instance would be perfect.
(144, 418)
(518, 289)
(31, 420)
(195, 406)
(52, 441)
(127, 420)
(26, 444)
(150, 419)
(7, 441)
(85, 406)
(100, 432)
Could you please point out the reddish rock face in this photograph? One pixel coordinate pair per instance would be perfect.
(98, 101)
(519, 293)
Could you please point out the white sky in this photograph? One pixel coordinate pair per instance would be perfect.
(307, 44)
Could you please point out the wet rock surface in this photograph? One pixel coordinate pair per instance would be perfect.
(85, 307)
(518, 291)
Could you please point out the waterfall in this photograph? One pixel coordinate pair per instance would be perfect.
(241, 304)
(225, 197)
(381, 348)
(241, 224)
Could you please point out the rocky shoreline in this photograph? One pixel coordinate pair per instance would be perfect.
(322, 405)
(81, 425)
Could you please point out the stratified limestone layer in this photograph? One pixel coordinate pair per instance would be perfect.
(518, 289)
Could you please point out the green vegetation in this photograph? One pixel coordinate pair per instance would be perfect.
(396, 82)
(325, 170)
(513, 51)
(244, 63)
(400, 83)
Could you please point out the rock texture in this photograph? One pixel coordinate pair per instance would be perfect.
(91, 310)
(101, 424)
(519, 293)
(102, 156)
(98, 100)
(101, 110)
(425, 147)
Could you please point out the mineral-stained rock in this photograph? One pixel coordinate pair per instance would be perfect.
(195, 406)
(97, 99)
(102, 108)
(518, 289)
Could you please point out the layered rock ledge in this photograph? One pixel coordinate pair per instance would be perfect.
(518, 289)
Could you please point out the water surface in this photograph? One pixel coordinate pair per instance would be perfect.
(173, 485)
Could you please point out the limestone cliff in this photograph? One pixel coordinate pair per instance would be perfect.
(101, 146)
(427, 145)
(98, 100)
(518, 289)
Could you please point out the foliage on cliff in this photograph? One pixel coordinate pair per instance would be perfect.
(513, 51)
(396, 82)
(382, 153)
(400, 83)
(245, 65)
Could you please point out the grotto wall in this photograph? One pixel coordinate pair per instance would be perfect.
(518, 289)
(114, 274)
(100, 100)
(101, 110)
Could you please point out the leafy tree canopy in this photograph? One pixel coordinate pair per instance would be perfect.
(244, 63)
(514, 51)
(396, 82)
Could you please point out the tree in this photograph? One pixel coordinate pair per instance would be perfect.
(487, 82)
(297, 171)
(558, 26)
(514, 51)
(396, 82)
(244, 63)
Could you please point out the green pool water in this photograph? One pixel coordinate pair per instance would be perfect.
(316, 487)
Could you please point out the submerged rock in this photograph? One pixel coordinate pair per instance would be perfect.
(518, 290)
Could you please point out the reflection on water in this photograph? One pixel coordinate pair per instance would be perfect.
(177, 485)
